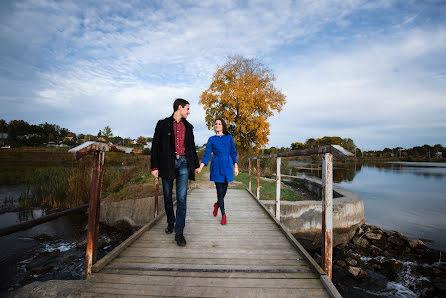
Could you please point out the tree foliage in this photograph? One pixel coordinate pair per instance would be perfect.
(242, 93)
(347, 143)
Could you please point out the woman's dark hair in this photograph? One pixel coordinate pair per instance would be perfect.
(225, 127)
(179, 102)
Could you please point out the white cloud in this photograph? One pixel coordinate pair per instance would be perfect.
(122, 63)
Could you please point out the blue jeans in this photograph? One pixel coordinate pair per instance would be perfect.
(182, 175)
(221, 192)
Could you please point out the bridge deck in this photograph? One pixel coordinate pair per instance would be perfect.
(250, 256)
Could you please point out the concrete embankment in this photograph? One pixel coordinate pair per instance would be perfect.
(304, 218)
(132, 212)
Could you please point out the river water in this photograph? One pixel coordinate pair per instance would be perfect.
(409, 197)
(52, 250)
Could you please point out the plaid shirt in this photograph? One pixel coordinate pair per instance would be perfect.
(179, 130)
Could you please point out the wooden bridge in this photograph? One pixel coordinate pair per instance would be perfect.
(252, 256)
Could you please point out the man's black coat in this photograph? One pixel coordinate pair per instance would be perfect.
(163, 149)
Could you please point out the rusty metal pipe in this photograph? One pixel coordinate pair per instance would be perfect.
(93, 211)
(327, 214)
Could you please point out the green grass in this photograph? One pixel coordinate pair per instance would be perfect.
(267, 189)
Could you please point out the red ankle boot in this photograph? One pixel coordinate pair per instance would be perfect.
(215, 209)
(223, 219)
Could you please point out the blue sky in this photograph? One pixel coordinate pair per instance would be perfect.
(374, 71)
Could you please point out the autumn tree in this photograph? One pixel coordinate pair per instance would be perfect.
(141, 141)
(242, 93)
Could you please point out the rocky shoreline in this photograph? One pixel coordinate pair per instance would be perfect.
(377, 263)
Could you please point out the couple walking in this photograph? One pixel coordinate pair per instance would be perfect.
(174, 156)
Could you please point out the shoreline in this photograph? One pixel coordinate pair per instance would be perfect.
(386, 263)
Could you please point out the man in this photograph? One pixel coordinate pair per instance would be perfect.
(174, 156)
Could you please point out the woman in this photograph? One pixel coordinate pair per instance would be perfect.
(223, 161)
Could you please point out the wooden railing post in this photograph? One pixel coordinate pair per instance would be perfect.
(327, 213)
(258, 178)
(279, 160)
(94, 211)
(155, 211)
(249, 174)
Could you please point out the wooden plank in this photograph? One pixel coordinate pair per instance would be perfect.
(251, 256)
(135, 252)
(120, 248)
(165, 290)
(185, 260)
(241, 275)
(207, 282)
(210, 244)
(211, 267)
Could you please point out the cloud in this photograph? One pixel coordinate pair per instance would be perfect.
(346, 66)
(386, 84)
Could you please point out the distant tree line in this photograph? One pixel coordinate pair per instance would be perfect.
(424, 152)
(18, 133)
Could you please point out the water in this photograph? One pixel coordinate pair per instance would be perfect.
(52, 250)
(409, 197)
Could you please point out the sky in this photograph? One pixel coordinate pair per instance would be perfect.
(373, 71)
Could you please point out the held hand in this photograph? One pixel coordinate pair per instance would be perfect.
(236, 171)
(198, 170)
(155, 173)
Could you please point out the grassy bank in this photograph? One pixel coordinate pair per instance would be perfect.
(267, 188)
(57, 180)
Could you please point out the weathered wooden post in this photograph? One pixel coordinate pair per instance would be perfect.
(327, 213)
(258, 178)
(279, 160)
(94, 211)
(155, 211)
(249, 174)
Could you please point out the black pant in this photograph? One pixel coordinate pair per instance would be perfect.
(221, 192)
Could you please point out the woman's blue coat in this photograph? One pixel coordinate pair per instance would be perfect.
(223, 159)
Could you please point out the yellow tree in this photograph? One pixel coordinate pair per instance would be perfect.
(242, 93)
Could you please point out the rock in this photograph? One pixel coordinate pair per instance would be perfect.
(439, 284)
(375, 250)
(69, 258)
(398, 240)
(42, 237)
(351, 261)
(42, 270)
(391, 269)
(413, 243)
(373, 236)
(357, 272)
(374, 264)
(82, 244)
(341, 263)
(361, 242)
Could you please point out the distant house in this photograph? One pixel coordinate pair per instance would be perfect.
(27, 137)
(148, 145)
(439, 154)
(3, 135)
(118, 142)
(6, 147)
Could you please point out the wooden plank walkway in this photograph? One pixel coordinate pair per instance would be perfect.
(248, 257)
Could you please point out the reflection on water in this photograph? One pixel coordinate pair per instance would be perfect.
(407, 197)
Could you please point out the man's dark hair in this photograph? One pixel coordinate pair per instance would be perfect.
(179, 102)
